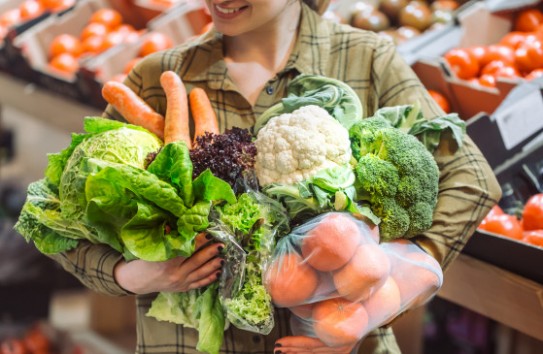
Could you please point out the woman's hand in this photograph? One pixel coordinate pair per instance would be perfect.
(307, 345)
(179, 274)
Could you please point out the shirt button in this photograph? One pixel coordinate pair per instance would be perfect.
(269, 90)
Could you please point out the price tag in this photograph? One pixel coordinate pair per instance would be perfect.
(520, 119)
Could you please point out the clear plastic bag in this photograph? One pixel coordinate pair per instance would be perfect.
(340, 283)
(248, 231)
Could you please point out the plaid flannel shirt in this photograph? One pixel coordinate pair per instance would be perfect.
(380, 77)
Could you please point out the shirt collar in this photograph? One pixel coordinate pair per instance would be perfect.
(310, 54)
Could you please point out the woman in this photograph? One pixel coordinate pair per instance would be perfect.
(245, 64)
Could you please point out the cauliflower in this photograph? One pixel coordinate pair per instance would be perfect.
(293, 147)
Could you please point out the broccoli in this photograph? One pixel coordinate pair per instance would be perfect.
(396, 175)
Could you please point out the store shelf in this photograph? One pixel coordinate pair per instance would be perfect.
(495, 293)
(51, 108)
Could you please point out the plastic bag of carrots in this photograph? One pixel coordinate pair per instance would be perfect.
(340, 283)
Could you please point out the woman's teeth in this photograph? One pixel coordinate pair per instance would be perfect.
(227, 11)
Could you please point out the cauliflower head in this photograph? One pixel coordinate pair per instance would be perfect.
(292, 147)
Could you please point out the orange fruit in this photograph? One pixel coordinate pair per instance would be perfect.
(331, 243)
(528, 20)
(92, 45)
(416, 277)
(64, 63)
(441, 100)
(366, 271)
(93, 29)
(65, 43)
(154, 42)
(487, 80)
(303, 311)
(290, 281)
(339, 322)
(108, 17)
(30, 9)
(534, 237)
(112, 39)
(463, 63)
(534, 74)
(384, 304)
(10, 17)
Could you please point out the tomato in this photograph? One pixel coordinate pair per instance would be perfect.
(529, 55)
(498, 68)
(505, 225)
(478, 52)
(498, 52)
(93, 29)
(487, 80)
(65, 43)
(463, 64)
(30, 9)
(154, 42)
(13, 346)
(37, 341)
(528, 20)
(514, 39)
(534, 237)
(109, 17)
(10, 17)
(534, 74)
(64, 63)
(532, 214)
(440, 100)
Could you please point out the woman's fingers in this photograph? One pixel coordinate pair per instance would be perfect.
(201, 239)
(205, 281)
(213, 266)
(202, 256)
(303, 344)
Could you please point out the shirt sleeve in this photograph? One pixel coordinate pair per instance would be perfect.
(467, 185)
(93, 265)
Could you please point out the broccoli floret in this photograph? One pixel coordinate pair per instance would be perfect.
(362, 135)
(397, 175)
(376, 176)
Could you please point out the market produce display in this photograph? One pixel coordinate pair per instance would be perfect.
(147, 189)
(525, 226)
(517, 55)
(401, 20)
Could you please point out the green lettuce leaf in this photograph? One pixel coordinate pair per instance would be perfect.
(173, 165)
(211, 321)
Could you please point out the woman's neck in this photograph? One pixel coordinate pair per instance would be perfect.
(255, 57)
(271, 44)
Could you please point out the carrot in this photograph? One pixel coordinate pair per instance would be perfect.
(203, 115)
(132, 107)
(176, 122)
